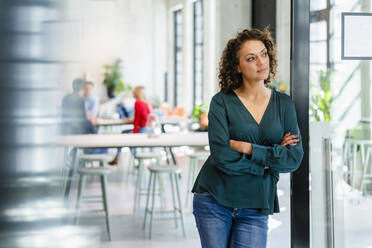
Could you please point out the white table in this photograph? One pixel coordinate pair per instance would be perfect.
(199, 139)
(135, 140)
(113, 125)
(110, 122)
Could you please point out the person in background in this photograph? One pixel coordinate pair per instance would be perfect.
(253, 136)
(73, 111)
(91, 103)
(141, 111)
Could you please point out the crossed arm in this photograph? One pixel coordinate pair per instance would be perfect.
(246, 147)
(238, 158)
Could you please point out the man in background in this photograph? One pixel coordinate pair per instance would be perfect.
(74, 117)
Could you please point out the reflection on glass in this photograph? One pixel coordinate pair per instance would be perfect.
(32, 210)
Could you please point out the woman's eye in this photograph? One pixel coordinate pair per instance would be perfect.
(250, 59)
(265, 54)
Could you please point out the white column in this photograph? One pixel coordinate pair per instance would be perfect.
(283, 40)
(187, 42)
(210, 57)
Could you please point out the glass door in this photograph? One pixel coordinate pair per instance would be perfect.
(340, 135)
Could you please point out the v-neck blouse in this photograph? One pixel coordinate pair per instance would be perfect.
(247, 110)
(235, 179)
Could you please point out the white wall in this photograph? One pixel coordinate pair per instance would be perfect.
(134, 31)
(232, 16)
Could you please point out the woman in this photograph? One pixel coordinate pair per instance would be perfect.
(253, 136)
(141, 111)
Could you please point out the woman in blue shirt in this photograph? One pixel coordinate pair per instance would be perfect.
(253, 136)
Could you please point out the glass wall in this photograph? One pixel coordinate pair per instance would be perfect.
(340, 132)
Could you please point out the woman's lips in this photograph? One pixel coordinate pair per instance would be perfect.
(263, 70)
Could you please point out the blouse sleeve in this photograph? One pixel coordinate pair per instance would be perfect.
(281, 159)
(223, 156)
(137, 117)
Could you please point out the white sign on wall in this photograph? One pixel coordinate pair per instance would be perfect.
(356, 36)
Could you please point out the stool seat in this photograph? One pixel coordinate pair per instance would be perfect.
(94, 171)
(164, 168)
(91, 158)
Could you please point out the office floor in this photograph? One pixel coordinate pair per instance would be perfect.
(126, 227)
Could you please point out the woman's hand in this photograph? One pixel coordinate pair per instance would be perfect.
(241, 146)
(289, 139)
(128, 120)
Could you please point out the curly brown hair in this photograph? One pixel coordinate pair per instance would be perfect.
(228, 77)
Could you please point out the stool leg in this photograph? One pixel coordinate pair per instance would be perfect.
(189, 177)
(130, 166)
(152, 205)
(195, 173)
(179, 204)
(365, 170)
(78, 200)
(147, 200)
(131, 161)
(138, 186)
(105, 204)
(163, 202)
(173, 200)
(355, 151)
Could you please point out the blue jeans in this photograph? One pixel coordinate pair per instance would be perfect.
(225, 227)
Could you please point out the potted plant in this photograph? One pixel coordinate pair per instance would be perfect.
(200, 115)
(321, 97)
(113, 79)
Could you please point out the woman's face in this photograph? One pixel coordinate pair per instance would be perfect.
(254, 61)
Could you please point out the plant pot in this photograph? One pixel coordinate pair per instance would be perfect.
(110, 92)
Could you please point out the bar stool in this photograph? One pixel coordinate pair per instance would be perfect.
(102, 173)
(91, 158)
(196, 159)
(173, 172)
(139, 191)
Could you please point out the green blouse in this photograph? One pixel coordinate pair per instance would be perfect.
(236, 179)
